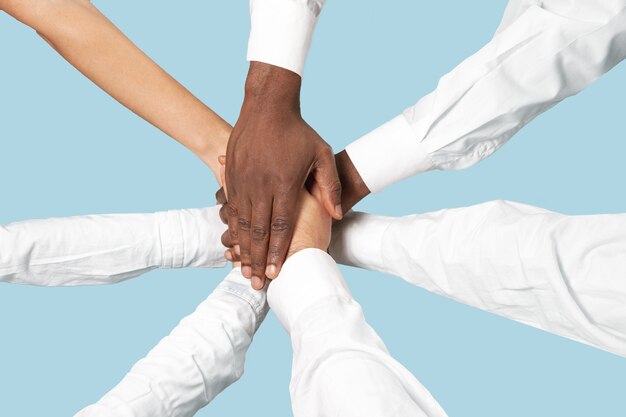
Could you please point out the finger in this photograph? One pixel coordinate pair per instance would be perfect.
(233, 231)
(258, 283)
(281, 229)
(244, 222)
(224, 213)
(260, 237)
(326, 177)
(230, 251)
(226, 240)
(223, 180)
(220, 196)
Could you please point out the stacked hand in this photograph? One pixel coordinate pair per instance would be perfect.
(311, 227)
(271, 153)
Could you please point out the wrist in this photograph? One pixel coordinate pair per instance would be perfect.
(213, 144)
(353, 187)
(272, 88)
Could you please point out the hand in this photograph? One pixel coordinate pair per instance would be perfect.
(270, 155)
(312, 227)
(353, 191)
(313, 224)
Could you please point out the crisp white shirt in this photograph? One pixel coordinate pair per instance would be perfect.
(202, 356)
(281, 31)
(558, 273)
(340, 365)
(105, 249)
(563, 274)
(543, 52)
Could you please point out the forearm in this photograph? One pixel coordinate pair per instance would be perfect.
(92, 44)
(558, 273)
(339, 362)
(542, 54)
(105, 249)
(202, 356)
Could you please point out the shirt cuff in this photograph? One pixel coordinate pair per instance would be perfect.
(306, 278)
(281, 33)
(357, 240)
(389, 154)
(236, 284)
(191, 238)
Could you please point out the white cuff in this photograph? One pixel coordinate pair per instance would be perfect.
(281, 33)
(388, 154)
(236, 284)
(191, 238)
(307, 277)
(357, 240)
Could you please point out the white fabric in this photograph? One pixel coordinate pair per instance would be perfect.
(281, 31)
(202, 356)
(105, 249)
(562, 274)
(543, 52)
(340, 365)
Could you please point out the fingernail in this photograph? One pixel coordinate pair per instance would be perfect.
(237, 250)
(246, 271)
(338, 210)
(270, 271)
(257, 284)
(228, 255)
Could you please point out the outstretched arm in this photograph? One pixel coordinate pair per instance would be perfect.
(543, 52)
(562, 274)
(272, 150)
(92, 44)
(105, 249)
(340, 365)
(202, 356)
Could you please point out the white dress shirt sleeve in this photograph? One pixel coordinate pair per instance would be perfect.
(340, 365)
(562, 274)
(543, 52)
(202, 356)
(106, 249)
(281, 31)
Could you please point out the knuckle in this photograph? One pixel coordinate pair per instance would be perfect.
(231, 211)
(275, 253)
(258, 265)
(226, 238)
(244, 224)
(280, 225)
(335, 187)
(259, 233)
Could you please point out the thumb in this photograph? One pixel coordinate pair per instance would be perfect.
(326, 177)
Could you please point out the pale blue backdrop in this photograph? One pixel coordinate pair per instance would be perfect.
(69, 149)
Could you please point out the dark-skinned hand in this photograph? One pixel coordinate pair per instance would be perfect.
(271, 153)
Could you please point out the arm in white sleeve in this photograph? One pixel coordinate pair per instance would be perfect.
(563, 274)
(543, 52)
(202, 356)
(340, 365)
(281, 31)
(106, 249)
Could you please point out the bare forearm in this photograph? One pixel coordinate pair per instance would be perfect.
(92, 44)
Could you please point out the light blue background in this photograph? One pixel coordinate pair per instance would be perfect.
(69, 149)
